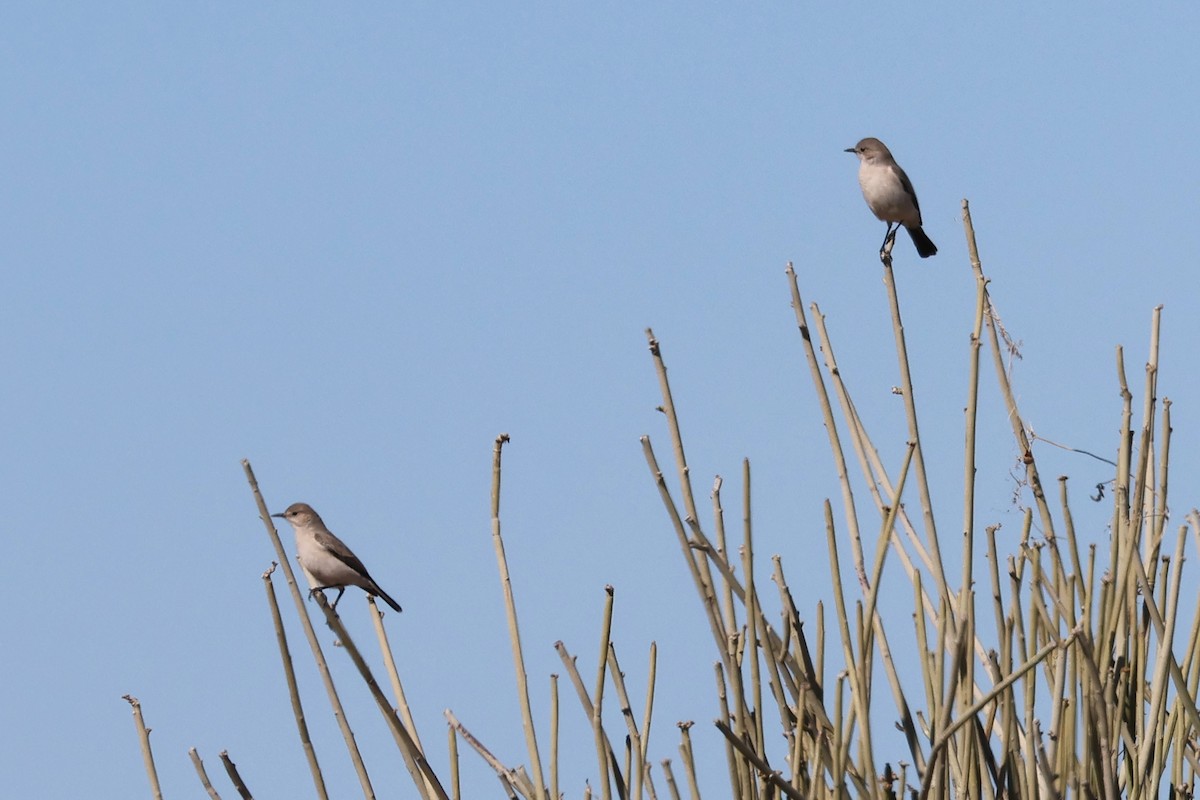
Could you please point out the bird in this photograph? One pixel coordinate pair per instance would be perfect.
(325, 559)
(889, 194)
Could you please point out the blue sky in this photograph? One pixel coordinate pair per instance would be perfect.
(355, 244)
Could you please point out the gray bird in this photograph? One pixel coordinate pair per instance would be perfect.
(889, 194)
(325, 559)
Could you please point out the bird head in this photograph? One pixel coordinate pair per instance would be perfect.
(300, 515)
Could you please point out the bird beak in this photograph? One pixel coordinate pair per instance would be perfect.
(277, 515)
(850, 150)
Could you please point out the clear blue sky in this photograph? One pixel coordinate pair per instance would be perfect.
(353, 244)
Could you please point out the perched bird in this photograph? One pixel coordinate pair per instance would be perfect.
(889, 194)
(325, 559)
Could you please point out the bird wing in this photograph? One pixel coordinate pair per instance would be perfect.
(908, 187)
(338, 549)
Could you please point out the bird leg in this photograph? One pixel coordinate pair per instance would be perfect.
(341, 591)
(889, 239)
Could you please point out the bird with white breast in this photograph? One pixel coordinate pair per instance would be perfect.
(890, 195)
(325, 559)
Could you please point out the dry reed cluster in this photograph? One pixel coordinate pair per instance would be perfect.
(1076, 689)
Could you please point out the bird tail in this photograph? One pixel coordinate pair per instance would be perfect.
(386, 598)
(925, 246)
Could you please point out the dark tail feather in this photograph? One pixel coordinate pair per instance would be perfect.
(925, 247)
(386, 598)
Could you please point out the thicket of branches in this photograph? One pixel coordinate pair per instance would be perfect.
(1055, 677)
